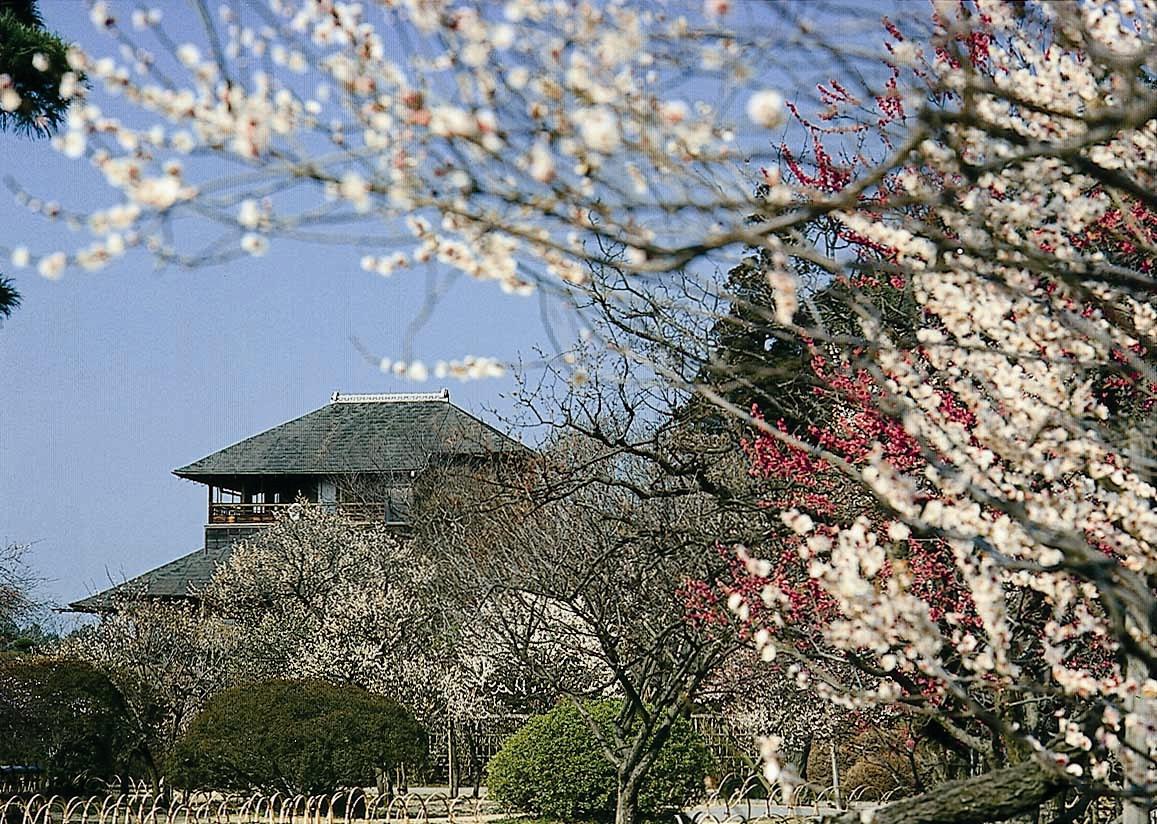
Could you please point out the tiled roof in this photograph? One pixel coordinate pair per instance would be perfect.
(358, 433)
(176, 579)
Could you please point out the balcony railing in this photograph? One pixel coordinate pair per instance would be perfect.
(263, 513)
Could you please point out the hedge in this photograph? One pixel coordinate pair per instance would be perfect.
(292, 736)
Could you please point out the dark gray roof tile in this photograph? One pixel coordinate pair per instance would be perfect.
(176, 579)
(357, 433)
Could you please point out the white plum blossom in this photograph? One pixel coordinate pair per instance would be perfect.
(717, 8)
(10, 99)
(356, 189)
(69, 86)
(765, 108)
(249, 214)
(599, 129)
(73, 144)
(52, 266)
(417, 371)
(189, 55)
(786, 295)
(674, 112)
(254, 244)
(542, 163)
(98, 13)
(470, 368)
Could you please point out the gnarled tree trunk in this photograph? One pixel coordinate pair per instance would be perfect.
(627, 796)
(994, 796)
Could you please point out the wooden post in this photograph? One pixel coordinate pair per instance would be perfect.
(383, 783)
(452, 766)
(836, 775)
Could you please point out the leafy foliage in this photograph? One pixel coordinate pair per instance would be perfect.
(555, 767)
(24, 44)
(295, 736)
(63, 716)
(9, 297)
(26, 638)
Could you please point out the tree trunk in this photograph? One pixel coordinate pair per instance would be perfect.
(627, 798)
(1135, 765)
(803, 759)
(477, 760)
(1140, 442)
(994, 796)
(156, 777)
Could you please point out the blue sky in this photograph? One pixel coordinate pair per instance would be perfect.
(112, 379)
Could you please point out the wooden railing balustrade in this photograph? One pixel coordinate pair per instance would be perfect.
(265, 513)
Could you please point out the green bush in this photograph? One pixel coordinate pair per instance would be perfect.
(63, 716)
(553, 767)
(295, 736)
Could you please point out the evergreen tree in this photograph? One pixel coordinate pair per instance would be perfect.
(33, 61)
(9, 297)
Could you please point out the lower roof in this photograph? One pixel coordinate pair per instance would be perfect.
(177, 579)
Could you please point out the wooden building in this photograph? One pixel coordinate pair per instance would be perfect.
(359, 455)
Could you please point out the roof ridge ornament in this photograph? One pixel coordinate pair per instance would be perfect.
(391, 397)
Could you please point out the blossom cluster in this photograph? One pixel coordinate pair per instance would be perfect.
(498, 140)
(972, 468)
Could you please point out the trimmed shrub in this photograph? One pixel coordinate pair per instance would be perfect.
(63, 716)
(553, 767)
(895, 761)
(295, 736)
